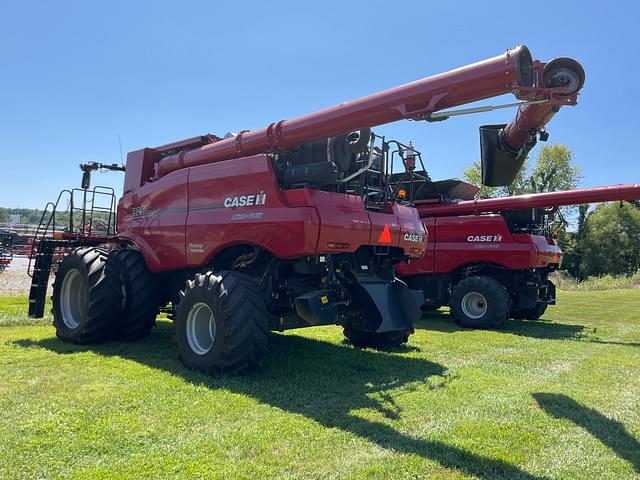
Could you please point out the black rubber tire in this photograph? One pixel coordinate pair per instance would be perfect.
(383, 340)
(99, 320)
(241, 322)
(141, 299)
(495, 295)
(536, 312)
(530, 313)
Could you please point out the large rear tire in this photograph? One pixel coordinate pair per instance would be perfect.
(87, 297)
(479, 302)
(383, 340)
(141, 297)
(222, 324)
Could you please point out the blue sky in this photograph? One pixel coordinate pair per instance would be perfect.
(76, 75)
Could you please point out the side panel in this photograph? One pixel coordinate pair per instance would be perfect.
(238, 201)
(385, 229)
(478, 238)
(343, 221)
(153, 217)
(548, 252)
(414, 235)
(426, 264)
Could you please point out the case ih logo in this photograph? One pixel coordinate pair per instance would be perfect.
(484, 238)
(413, 237)
(246, 200)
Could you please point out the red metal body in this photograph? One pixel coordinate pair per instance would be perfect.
(459, 241)
(452, 246)
(183, 221)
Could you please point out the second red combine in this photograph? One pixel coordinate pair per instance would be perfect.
(490, 259)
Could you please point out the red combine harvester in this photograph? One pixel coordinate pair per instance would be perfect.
(293, 225)
(491, 259)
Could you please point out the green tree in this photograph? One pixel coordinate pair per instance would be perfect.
(473, 174)
(611, 243)
(553, 170)
(572, 244)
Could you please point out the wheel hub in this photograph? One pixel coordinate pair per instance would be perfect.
(474, 305)
(74, 299)
(201, 328)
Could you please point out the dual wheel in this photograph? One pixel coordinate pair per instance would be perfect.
(101, 295)
(483, 302)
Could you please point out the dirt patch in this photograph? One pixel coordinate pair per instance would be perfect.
(14, 280)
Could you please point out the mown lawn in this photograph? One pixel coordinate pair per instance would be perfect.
(558, 398)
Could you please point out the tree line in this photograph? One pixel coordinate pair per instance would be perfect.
(27, 215)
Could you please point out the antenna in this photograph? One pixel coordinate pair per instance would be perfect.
(120, 143)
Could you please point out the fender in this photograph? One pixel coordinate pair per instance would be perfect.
(151, 259)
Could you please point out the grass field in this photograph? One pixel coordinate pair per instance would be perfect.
(558, 398)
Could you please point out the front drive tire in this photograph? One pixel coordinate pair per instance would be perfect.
(479, 302)
(222, 324)
(530, 313)
(383, 340)
(87, 297)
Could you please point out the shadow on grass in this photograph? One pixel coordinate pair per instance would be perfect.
(610, 432)
(324, 382)
(441, 321)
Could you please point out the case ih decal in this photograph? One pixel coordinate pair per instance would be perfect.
(246, 200)
(484, 238)
(413, 237)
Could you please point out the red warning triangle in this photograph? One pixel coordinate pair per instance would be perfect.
(385, 236)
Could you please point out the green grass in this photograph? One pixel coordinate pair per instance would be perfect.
(558, 398)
